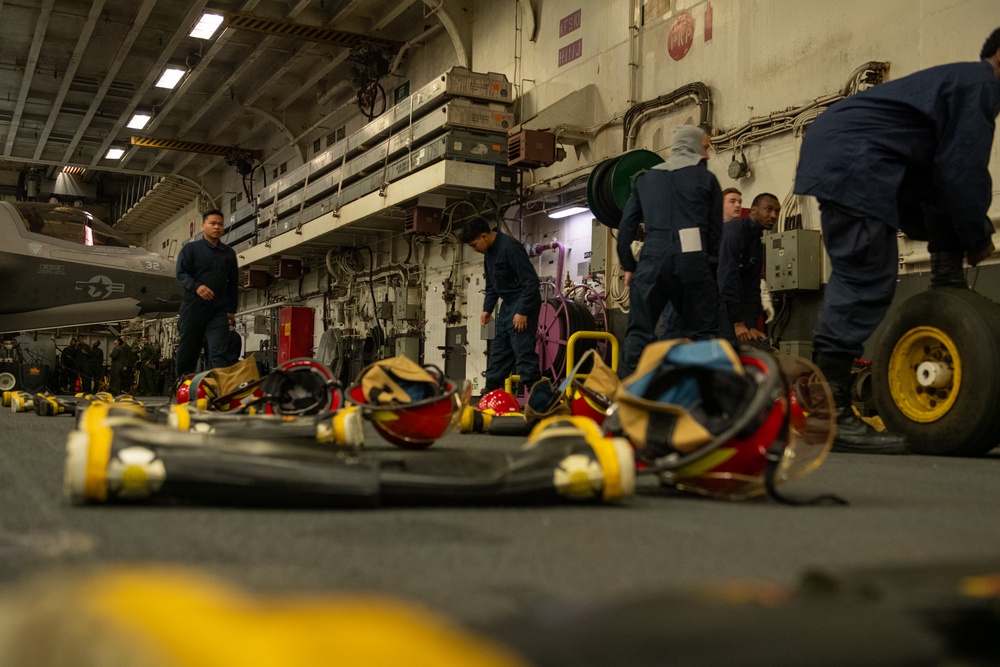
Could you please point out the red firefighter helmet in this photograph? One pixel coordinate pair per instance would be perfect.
(416, 424)
(498, 402)
(183, 393)
(194, 385)
(587, 403)
(763, 422)
(301, 386)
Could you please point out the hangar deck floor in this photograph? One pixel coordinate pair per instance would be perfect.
(481, 564)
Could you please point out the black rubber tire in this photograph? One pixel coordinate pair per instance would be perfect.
(971, 427)
(604, 209)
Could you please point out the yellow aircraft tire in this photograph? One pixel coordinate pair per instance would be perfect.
(936, 372)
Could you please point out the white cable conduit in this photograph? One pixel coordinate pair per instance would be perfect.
(449, 25)
(398, 60)
(681, 101)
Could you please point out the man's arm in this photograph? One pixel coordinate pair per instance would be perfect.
(714, 228)
(185, 268)
(527, 277)
(491, 297)
(729, 271)
(232, 289)
(961, 164)
(628, 228)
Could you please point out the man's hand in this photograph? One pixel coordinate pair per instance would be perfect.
(205, 292)
(485, 318)
(744, 334)
(765, 302)
(976, 257)
(520, 322)
(628, 279)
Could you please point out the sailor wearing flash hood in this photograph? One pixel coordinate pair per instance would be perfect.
(680, 202)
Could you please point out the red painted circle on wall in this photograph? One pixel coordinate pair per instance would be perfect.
(681, 36)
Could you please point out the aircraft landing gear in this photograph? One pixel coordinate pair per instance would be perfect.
(8, 377)
(936, 372)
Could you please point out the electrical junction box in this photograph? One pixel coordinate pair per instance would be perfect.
(531, 149)
(600, 240)
(792, 260)
(796, 348)
(255, 278)
(407, 304)
(385, 310)
(288, 269)
(422, 220)
(409, 347)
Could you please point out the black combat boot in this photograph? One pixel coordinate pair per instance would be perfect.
(947, 270)
(853, 434)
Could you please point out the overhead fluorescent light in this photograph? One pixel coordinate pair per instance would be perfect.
(114, 154)
(139, 120)
(207, 25)
(568, 211)
(170, 77)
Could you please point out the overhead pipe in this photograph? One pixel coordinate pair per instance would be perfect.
(697, 92)
(539, 248)
(461, 53)
(398, 59)
(335, 90)
(633, 51)
(270, 306)
(876, 67)
(654, 111)
(795, 118)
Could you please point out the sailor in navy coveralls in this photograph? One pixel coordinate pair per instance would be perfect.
(910, 155)
(680, 202)
(510, 276)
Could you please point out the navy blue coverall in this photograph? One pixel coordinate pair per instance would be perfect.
(510, 276)
(909, 155)
(741, 258)
(668, 202)
(201, 321)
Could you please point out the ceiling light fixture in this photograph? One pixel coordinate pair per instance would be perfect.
(170, 77)
(114, 153)
(568, 211)
(206, 26)
(139, 120)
